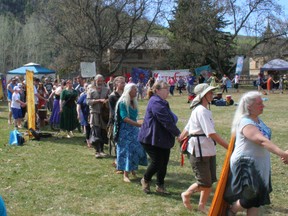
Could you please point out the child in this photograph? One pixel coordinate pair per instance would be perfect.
(16, 104)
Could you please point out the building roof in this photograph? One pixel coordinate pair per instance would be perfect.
(153, 42)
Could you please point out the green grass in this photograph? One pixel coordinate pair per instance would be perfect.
(62, 177)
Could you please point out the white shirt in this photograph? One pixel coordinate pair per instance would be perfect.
(201, 122)
(14, 103)
(35, 97)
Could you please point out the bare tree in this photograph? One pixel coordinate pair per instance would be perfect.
(90, 27)
(252, 18)
(208, 35)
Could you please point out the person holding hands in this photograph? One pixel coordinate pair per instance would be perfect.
(249, 182)
(157, 136)
(202, 146)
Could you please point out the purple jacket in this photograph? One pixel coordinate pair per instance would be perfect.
(159, 125)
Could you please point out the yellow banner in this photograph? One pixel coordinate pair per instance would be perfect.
(30, 100)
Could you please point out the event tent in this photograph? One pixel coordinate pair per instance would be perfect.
(36, 68)
(275, 65)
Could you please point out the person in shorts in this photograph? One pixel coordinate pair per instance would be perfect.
(201, 147)
(16, 104)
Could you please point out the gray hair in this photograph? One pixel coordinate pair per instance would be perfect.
(243, 108)
(125, 97)
(98, 76)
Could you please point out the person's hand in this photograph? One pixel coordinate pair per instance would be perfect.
(178, 139)
(102, 100)
(285, 158)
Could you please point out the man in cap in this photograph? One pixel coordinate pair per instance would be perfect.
(16, 105)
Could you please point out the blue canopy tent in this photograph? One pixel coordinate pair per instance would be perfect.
(275, 65)
(38, 70)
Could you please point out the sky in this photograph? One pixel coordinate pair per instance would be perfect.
(169, 4)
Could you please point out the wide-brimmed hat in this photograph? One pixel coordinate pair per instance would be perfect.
(201, 90)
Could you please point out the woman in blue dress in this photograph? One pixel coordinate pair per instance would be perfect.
(130, 153)
(249, 183)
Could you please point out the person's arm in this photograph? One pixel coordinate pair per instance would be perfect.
(51, 95)
(216, 137)
(252, 133)
(10, 88)
(78, 110)
(91, 101)
(130, 121)
(183, 134)
(21, 102)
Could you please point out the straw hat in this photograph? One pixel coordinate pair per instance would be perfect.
(201, 90)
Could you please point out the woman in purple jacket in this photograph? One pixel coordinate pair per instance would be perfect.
(157, 135)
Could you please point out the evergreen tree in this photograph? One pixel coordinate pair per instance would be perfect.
(199, 38)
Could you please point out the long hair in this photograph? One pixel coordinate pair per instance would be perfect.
(242, 110)
(125, 98)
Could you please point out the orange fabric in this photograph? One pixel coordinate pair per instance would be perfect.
(269, 83)
(30, 99)
(219, 206)
(184, 145)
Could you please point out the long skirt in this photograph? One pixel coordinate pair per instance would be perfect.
(68, 118)
(55, 116)
(130, 152)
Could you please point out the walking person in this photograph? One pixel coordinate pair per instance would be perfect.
(201, 148)
(157, 136)
(249, 182)
(97, 98)
(171, 82)
(83, 113)
(190, 81)
(68, 112)
(224, 81)
(119, 84)
(236, 81)
(130, 153)
(180, 85)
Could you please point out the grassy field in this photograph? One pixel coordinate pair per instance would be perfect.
(62, 177)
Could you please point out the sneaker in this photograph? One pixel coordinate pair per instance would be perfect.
(98, 155)
(145, 186)
(103, 154)
(161, 190)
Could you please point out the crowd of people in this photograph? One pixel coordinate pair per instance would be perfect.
(110, 110)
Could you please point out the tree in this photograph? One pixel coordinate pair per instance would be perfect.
(198, 27)
(217, 16)
(88, 28)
